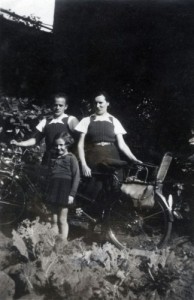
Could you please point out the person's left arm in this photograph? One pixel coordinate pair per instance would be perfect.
(119, 132)
(125, 149)
(75, 178)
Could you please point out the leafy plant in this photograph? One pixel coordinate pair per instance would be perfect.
(79, 271)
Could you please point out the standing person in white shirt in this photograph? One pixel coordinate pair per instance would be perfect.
(49, 128)
(101, 135)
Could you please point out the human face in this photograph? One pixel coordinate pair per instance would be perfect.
(60, 147)
(59, 106)
(191, 140)
(100, 105)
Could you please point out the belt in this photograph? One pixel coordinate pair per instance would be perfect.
(103, 143)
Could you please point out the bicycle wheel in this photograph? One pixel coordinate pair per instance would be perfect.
(12, 200)
(139, 228)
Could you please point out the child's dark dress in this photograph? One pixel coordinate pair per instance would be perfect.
(64, 180)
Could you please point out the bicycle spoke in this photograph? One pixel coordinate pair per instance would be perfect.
(137, 228)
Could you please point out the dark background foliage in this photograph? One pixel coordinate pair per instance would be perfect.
(140, 52)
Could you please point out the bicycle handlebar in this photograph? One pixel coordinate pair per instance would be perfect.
(145, 164)
(4, 149)
(111, 166)
(12, 157)
(10, 151)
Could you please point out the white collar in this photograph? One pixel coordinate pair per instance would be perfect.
(58, 119)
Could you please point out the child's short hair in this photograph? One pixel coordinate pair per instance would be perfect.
(66, 137)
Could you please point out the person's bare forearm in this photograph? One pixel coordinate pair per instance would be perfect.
(125, 149)
(81, 154)
(27, 143)
(85, 169)
(80, 148)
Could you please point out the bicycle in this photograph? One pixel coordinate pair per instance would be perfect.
(21, 189)
(182, 188)
(126, 223)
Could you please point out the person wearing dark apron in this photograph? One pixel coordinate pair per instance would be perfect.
(101, 137)
(48, 128)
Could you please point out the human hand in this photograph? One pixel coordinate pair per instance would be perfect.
(191, 141)
(79, 211)
(86, 171)
(14, 142)
(70, 200)
(138, 161)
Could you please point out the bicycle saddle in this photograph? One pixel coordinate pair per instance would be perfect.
(112, 164)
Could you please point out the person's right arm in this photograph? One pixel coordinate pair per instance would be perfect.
(81, 153)
(27, 143)
(38, 135)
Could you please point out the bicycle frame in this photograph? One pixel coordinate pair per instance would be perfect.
(110, 209)
(18, 192)
(19, 175)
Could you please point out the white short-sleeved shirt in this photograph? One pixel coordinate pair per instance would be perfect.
(40, 127)
(84, 123)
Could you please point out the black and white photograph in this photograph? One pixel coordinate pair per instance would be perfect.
(97, 150)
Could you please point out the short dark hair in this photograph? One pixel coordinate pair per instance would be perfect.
(66, 137)
(61, 95)
(105, 94)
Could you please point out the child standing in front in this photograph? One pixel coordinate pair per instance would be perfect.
(63, 184)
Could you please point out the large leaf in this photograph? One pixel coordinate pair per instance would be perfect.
(19, 243)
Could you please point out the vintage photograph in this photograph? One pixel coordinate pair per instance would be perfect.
(97, 149)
